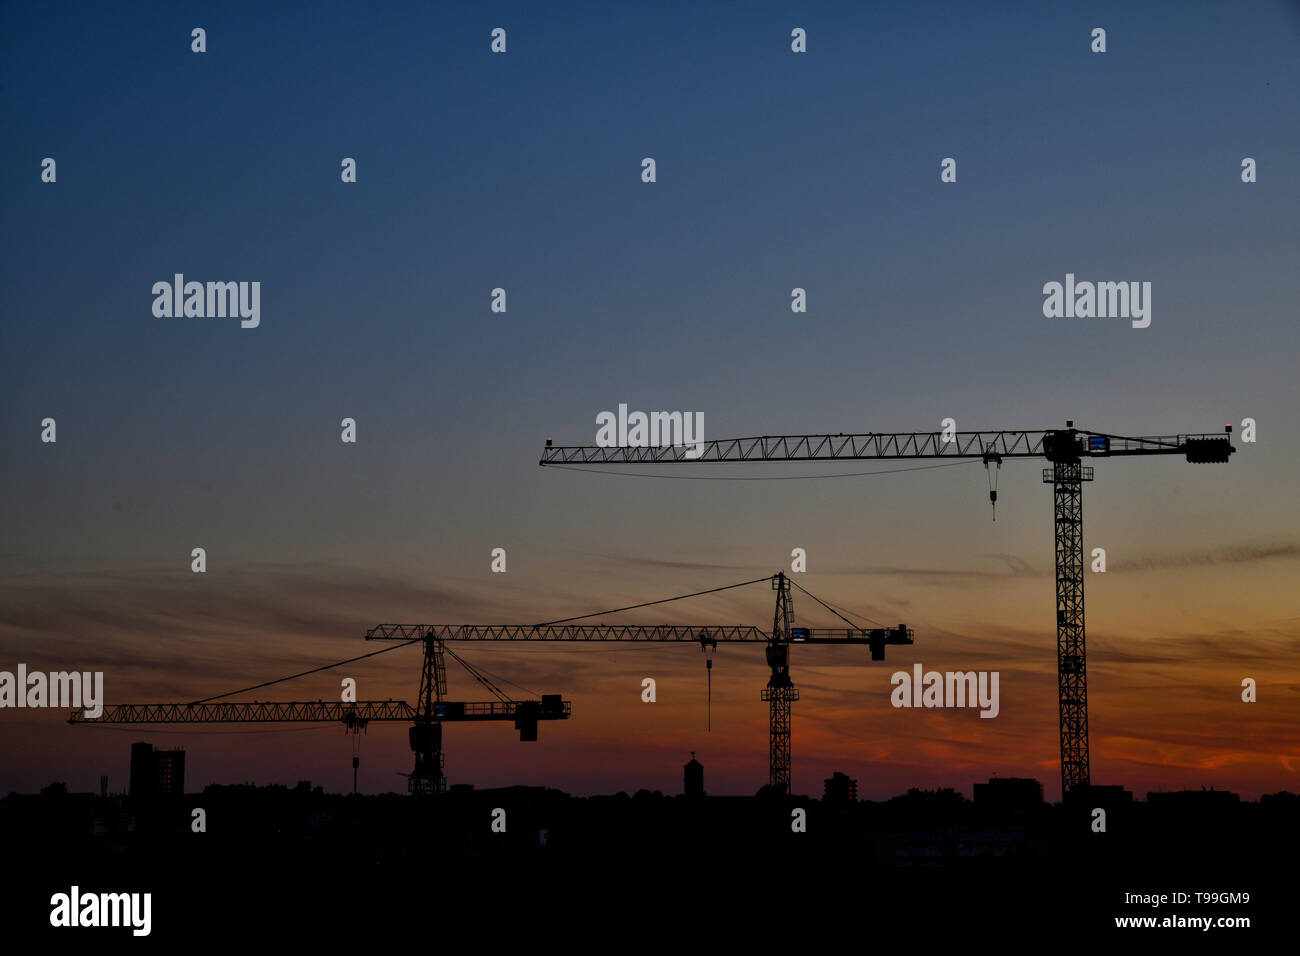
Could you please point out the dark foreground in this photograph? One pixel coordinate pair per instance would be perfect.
(287, 866)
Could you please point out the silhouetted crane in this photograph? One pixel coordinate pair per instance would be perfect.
(780, 691)
(1064, 448)
(426, 718)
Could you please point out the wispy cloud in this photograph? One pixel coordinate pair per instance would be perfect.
(1007, 566)
(1242, 554)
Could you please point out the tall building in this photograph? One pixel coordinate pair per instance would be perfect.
(840, 788)
(141, 769)
(156, 773)
(694, 777)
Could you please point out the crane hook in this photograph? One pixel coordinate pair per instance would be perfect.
(708, 645)
(993, 479)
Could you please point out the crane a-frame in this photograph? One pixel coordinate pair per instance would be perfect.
(1065, 449)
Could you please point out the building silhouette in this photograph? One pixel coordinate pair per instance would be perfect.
(1180, 801)
(1009, 792)
(839, 788)
(156, 773)
(693, 773)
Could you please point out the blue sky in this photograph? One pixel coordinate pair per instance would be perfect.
(775, 170)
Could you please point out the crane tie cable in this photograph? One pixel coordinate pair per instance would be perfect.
(481, 678)
(487, 683)
(633, 607)
(504, 680)
(314, 670)
(830, 608)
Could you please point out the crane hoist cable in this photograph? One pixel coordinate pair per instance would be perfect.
(993, 479)
(356, 756)
(708, 645)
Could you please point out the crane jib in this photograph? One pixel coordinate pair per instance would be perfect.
(1053, 444)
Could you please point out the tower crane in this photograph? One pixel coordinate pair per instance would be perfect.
(1065, 449)
(426, 717)
(780, 691)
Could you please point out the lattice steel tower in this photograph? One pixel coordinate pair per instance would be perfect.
(780, 692)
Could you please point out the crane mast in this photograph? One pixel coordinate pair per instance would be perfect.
(1065, 449)
(780, 692)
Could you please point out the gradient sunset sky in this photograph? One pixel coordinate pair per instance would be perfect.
(522, 171)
